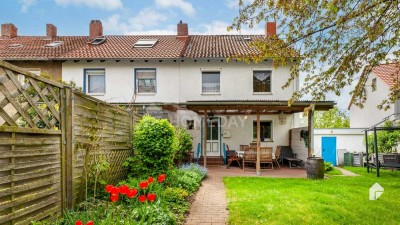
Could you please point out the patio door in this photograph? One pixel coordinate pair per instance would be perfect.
(213, 137)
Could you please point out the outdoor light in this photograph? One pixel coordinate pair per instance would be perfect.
(282, 118)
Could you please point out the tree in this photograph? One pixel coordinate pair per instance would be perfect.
(334, 118)
(334, 40)
(387, 140)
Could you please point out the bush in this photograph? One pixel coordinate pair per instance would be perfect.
(154, 142)
(175, 199)
(184, 145)
(196, 168)
(186, 177)
(328, 166)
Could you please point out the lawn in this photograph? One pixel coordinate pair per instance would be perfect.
(337, 200)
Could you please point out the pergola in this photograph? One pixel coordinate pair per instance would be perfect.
(375, 128)
(257, 107)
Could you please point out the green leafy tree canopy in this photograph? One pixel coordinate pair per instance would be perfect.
(334, 118)
(387, 141)
(328, 40)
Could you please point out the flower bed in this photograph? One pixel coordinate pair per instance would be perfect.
(160, 200)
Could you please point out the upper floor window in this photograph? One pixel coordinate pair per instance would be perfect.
(95, 81)
(211, 82)
(146, 80)
(265, 130)
(262, 81)
(373, 85)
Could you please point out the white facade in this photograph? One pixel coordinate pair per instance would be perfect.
(370, 114)
(179, 82)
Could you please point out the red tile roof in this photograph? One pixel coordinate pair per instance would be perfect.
(388, 73)
(121, 47)
(33, 47)
(219, 46)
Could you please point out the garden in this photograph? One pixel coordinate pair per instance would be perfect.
(336, 200)
(158, 188)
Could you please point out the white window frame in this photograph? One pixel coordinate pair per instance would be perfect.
(272, 130)
(271, 81)
(87, 81)
(137, 81)
(201, 79)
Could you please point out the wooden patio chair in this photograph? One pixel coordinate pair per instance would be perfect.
(232, 156)
(249, 156)
(277, 155)
(266, 156)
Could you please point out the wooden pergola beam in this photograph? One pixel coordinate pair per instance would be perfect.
(205, 127)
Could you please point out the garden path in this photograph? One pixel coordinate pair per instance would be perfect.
(209, 206)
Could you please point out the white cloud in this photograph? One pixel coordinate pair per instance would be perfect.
(186, 7)
(220, 27)
(146, 21)
(26, 4)
(103, 4)
(234, 4)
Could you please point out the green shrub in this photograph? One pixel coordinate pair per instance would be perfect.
(328, 166)
(186, 179)
(185, 144)
(154, 142)
(175, 199)
(195, 168)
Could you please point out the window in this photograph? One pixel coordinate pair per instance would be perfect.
(190, 124)
(262, 81)
(146, 80)
(211, 82)
(98, 41)
(21, 78)
(95, 81)
(53, 44)
(265, 128)
(145, 43)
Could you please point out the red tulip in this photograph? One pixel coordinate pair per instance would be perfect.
(161, 178)
(114, 198)
(114, 191)
(78, 222)
(132, 193)
(143, 185)
(142, 198)
(151, 197)
(150, 180)
(123, 189)
(90, 222)
(108, 188)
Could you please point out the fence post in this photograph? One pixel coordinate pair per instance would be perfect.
(69, 147)
(63, 150)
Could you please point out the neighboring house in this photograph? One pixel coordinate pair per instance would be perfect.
(378, 85)
(37, 54)
(186, 78)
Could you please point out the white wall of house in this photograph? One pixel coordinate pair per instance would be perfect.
(370, 114)
(297, 144)
(181, 81)
(241, 129)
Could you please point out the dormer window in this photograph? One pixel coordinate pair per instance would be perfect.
(15, 45)
(145, 43)
(98, 41)
(54, 44)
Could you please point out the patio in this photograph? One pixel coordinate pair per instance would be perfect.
(234, 171)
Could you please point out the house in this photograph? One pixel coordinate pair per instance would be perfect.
(37, 54)
(188, 79)
(377, 87)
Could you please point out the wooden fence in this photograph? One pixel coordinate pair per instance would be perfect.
(49, 137)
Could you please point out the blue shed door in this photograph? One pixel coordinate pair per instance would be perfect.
(329, 149)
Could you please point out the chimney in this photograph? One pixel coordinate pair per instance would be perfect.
(95, 29)
(183, 30)
(9, 30)
(51, 31)
(270, 29)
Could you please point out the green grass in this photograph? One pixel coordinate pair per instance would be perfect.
(334, 172)
(338, 200)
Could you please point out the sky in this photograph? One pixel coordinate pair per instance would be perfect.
(72, 17)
